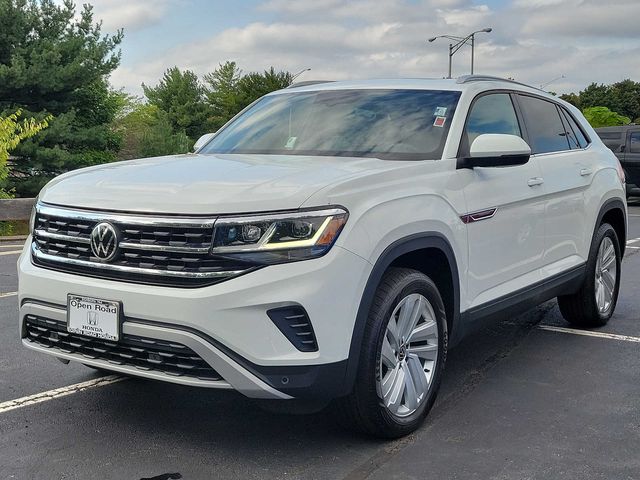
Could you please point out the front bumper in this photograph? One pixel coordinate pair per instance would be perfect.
(224, 324)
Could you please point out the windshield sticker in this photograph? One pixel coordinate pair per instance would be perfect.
(440, 121)
(440, 112)
(291, 143)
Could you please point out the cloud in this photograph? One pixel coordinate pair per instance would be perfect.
(533, 41)
(583, 18)
(132, 15)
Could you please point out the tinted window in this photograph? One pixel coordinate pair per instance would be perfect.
(544, 126)
(388, 124)
(634, 142)
(491, 113)
(575, 135)
(609, 135)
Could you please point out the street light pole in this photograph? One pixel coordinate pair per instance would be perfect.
(459, 43)
(473, 49)
(299, 73)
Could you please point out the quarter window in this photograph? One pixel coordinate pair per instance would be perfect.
(634, 142)
(493, 113)
(576, 136)
(544, 126)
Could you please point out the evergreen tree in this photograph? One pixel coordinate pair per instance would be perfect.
(229, 91)
(181, 96)
(223, 94)
(54, 62)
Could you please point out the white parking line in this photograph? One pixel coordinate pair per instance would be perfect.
(588, 333)
(8, 294)
(633, 240)
(12, 252)
(59, 392)
(17, 245)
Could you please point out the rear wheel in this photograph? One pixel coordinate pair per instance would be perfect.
(402, 357)
(594, 304)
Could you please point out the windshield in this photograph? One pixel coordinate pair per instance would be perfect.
(386, 124)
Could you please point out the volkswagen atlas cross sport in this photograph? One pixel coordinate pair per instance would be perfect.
(330, 243)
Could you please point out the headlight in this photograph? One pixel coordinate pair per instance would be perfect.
(32, 218)
(278, 238)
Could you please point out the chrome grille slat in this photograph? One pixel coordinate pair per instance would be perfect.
(172, 251)
(58, 236)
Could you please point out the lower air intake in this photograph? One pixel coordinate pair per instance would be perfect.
(294, 323)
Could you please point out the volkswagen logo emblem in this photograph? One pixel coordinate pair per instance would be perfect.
(104, 242)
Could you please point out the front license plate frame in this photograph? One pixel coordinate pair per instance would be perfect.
(94, 317)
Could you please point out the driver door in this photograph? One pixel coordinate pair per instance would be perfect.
(505, 209)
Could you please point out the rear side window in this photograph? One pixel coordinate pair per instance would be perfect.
(575, 135)
(544, 126)
(492, 113)
(634, 142)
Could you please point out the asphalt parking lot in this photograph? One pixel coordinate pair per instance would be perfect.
(522, 399)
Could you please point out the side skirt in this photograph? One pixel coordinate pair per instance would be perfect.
(520, 301)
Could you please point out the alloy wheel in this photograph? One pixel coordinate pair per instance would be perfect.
(606, 275)
(409, 355)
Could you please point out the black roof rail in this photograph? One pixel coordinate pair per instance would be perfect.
(489, 78)
(309, 82)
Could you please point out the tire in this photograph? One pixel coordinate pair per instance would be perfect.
(586, 308)
(368, 408)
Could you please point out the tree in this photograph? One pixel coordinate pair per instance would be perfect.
(12, 132)
(255, 85)
(223, 93)
(53, 61)
(229, 91)
(595, 95)
(182, 97)
(622, 97)
(626, 98)
(603, 117)
(572, 98)
(146, 132)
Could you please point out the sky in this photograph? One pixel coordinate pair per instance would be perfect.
(569, 42)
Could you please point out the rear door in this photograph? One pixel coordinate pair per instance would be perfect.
(561, 149)
(631, 161)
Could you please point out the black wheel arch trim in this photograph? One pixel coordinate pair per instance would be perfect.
(411, 243)
(609, 205)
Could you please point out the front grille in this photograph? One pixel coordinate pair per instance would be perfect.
(143, 353)
(162, 251)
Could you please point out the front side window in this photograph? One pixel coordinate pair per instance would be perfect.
(634, 142)
(386, 124)
(492, 113)
(544, 126)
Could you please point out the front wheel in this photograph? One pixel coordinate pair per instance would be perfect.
(402, 358)
(594, 303)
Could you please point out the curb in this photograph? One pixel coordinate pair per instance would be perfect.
(13, 238)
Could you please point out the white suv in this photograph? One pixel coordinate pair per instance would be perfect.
(331, 242)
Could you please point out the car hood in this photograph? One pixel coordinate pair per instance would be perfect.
(204, 184)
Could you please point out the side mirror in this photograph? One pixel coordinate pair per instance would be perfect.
(202, 140)
(497, 150)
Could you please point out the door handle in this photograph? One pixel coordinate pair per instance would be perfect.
(586, 172)
(532, 182)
